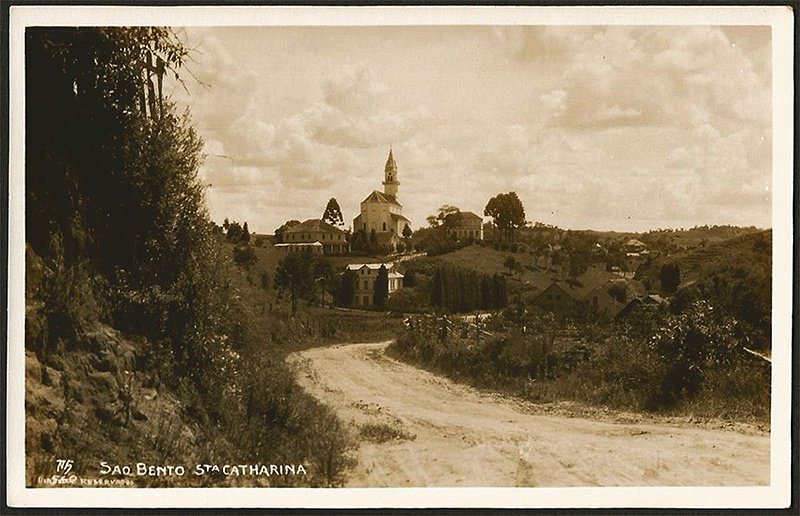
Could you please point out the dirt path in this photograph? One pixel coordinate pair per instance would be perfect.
(452, 435)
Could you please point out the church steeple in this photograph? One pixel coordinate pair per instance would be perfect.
(390, 182)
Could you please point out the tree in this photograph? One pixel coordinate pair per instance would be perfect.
(286, 225)
(670, 277)
(359, 243)
(382, 287)
(294, 274)
(508, 213)
(323, 275)
(234, 233)
(244, 256)
(500, 294)
(333, 214)
(511, 264)
(245, 234)
(346, 290)
(407, 231)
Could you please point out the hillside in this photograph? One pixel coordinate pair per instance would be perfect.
(744, 251)
(147, 338)
(490, 261)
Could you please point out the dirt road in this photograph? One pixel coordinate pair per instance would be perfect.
(445, 434)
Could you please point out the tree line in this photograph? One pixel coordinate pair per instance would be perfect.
(459, 290)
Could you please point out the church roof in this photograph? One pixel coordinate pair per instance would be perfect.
(399, 216)
(311, 225)
(381, 197)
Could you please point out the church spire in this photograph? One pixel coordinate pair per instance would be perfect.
(390, 181)
(390, 164)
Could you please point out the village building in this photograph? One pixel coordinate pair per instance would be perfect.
(648, 303)
(316, 235)
(300, 247)
(381, 212)
(635, 246)
(464, 225)
(588, 293)
(366, 274)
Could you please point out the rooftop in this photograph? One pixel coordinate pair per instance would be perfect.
(313, 225)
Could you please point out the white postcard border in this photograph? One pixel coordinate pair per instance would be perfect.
(777, 494)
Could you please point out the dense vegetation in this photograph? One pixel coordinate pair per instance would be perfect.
(691, 356)
(129, 284)
(689, 363)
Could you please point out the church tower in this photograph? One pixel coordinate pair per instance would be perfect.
(390, 182)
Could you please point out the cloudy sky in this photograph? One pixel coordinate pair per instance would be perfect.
(627, 128)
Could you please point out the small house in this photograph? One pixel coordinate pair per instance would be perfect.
(366, 274)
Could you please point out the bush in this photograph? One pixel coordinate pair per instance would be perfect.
(666, 363)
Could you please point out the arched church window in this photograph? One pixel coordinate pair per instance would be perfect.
(384, 226)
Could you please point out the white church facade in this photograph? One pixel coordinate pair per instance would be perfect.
(381, 212)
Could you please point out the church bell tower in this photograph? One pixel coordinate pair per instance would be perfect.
(390, 182)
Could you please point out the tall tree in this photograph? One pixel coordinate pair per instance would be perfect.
(508, 213)
(333, 214)
(382, 287)
(345, 293)
(245, 234)
(323, 276)
(670, 276)
(294, 275)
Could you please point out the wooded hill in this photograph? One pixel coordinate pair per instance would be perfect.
(145, 338)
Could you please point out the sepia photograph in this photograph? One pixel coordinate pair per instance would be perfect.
(318, 249)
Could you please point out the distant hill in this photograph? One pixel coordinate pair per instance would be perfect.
(745, 251)
(701, 235)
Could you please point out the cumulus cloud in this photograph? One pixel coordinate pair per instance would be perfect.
(619, 127)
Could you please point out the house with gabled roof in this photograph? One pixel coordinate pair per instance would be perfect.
(317, 233)
(587, 293)
(464, 225)
(366, 274)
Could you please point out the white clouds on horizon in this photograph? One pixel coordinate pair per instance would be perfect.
(627, 127)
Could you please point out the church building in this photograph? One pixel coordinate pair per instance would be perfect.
(381, 211)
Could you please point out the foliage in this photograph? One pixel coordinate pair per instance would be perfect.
(333, 213)
(381, 287)
(286, 225)
(244, 256)
(295, 275)
(447, 216)
(460, 290)
(367, 243)
(670, 277)
(508, 213)
(346, 288)
(687, 363)
(435, 241)
(512, 264)
(118, 234)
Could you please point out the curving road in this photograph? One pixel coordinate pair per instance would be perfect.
(446, 434)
